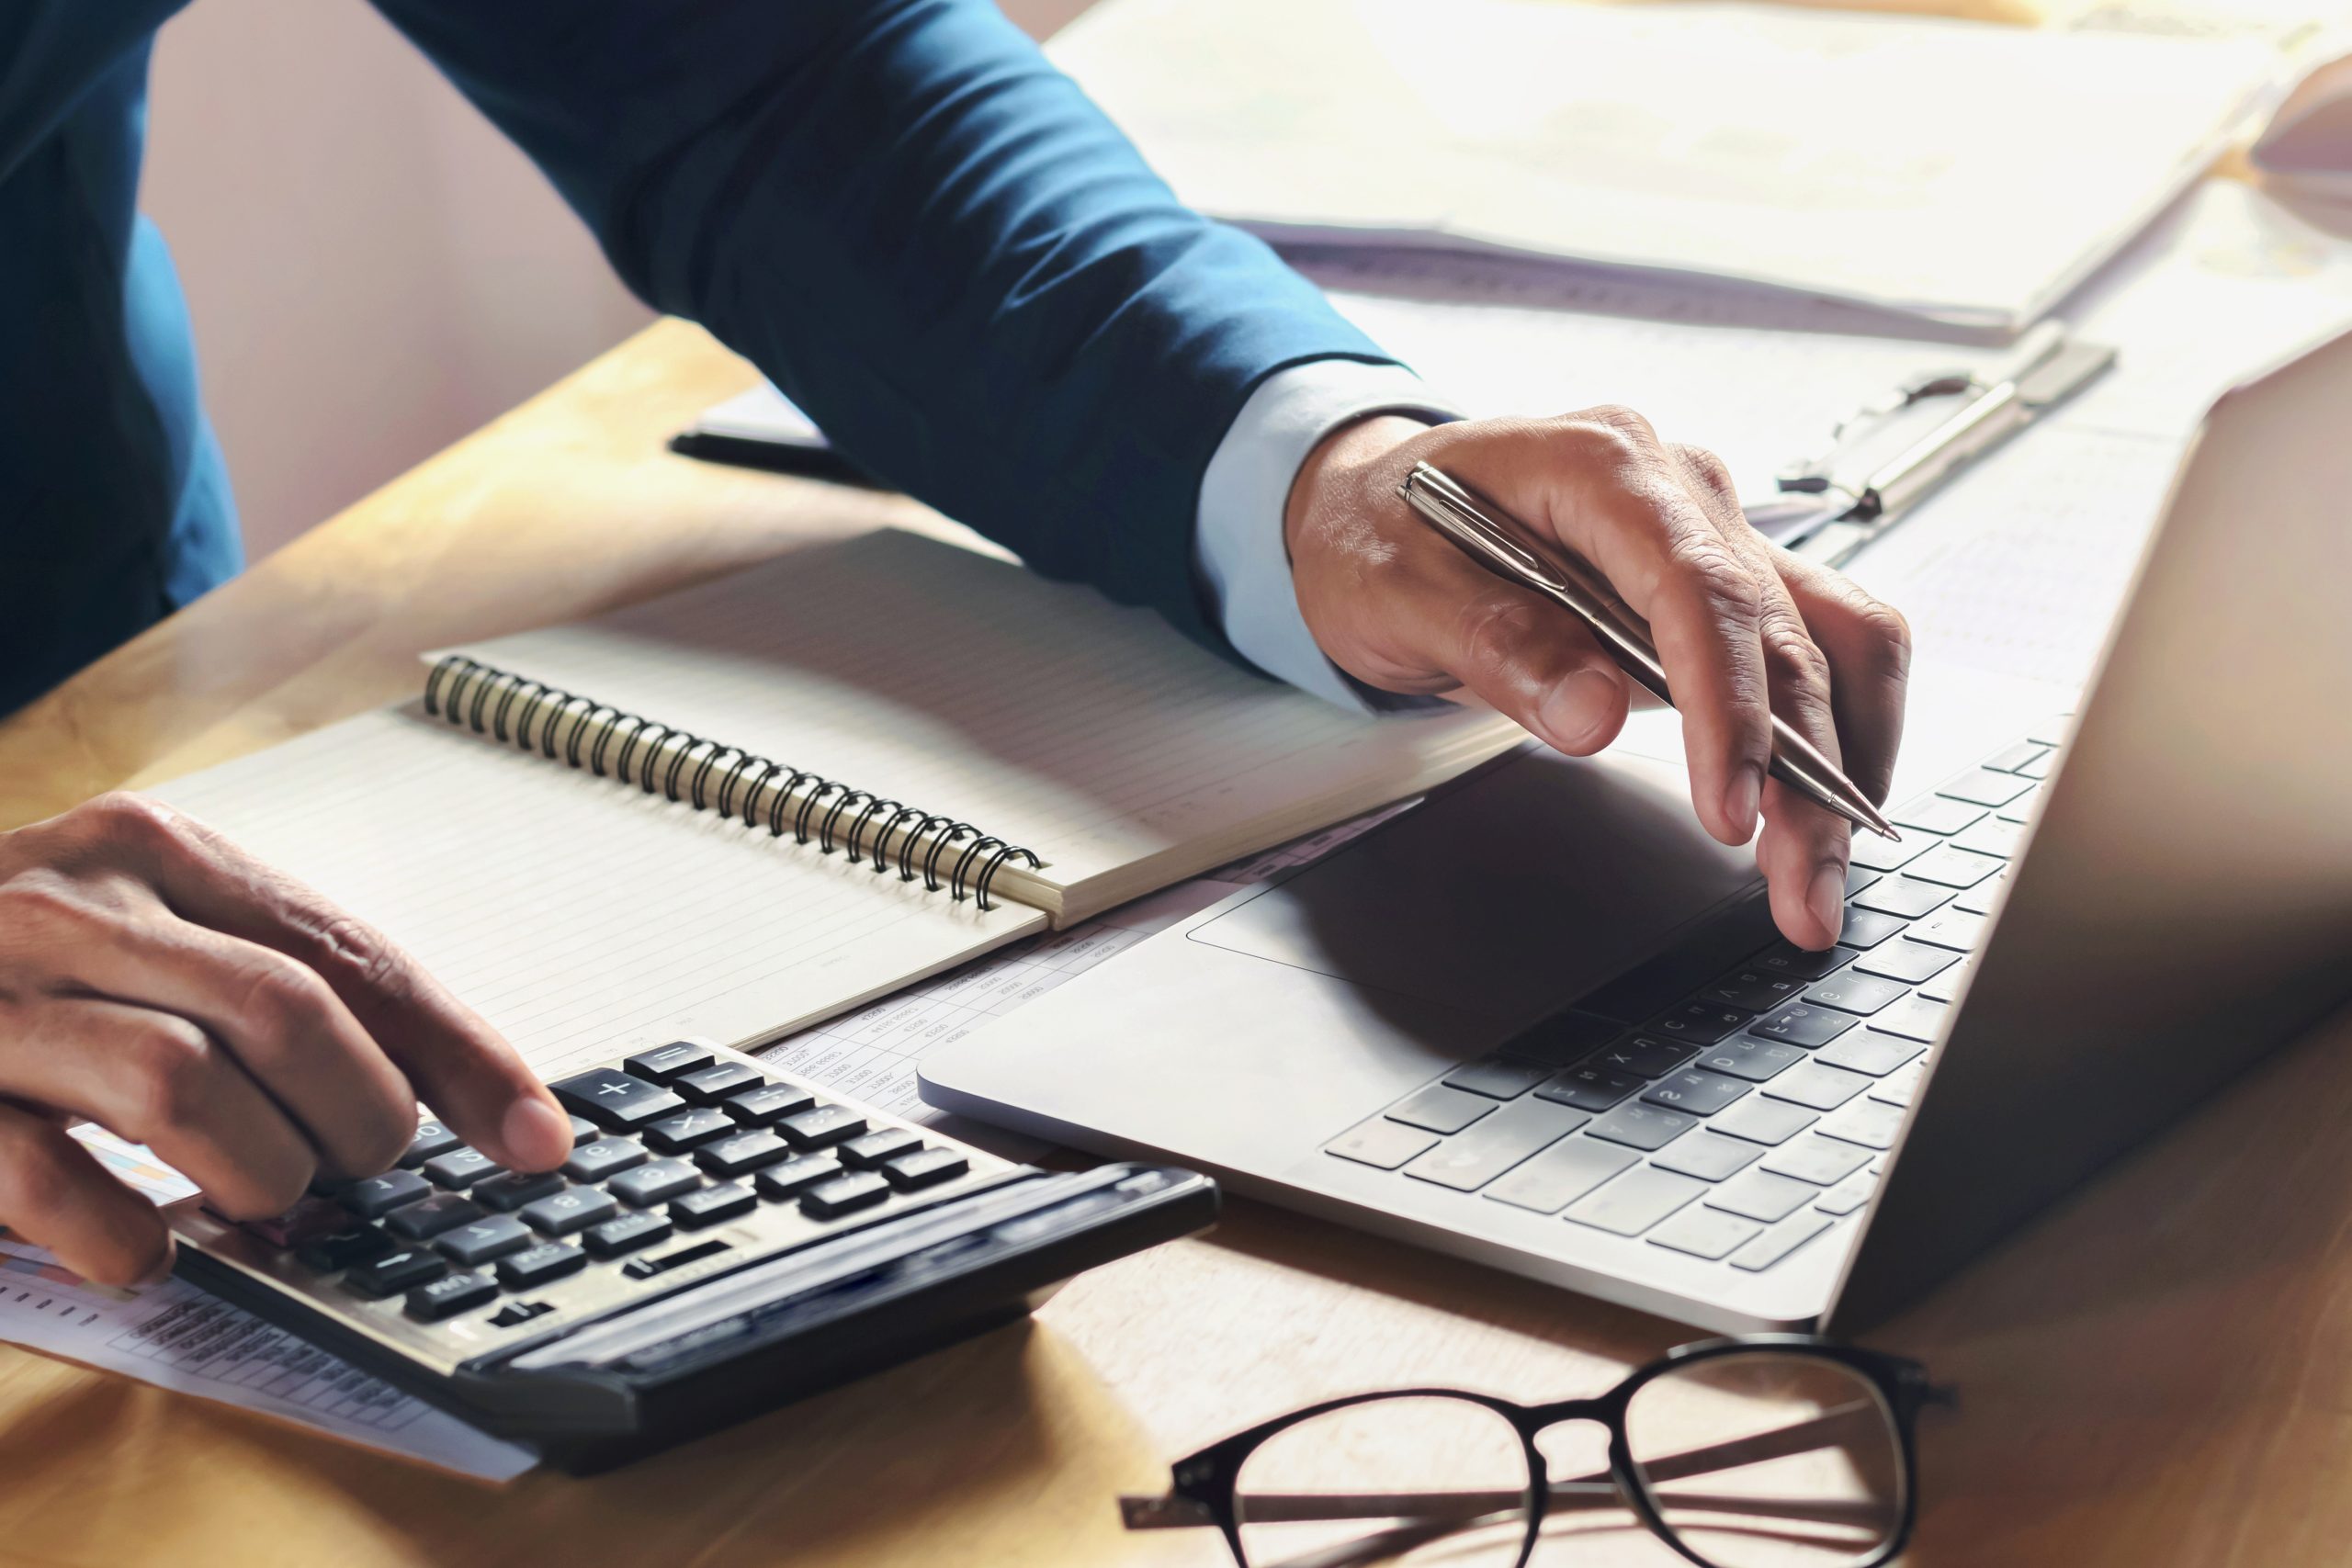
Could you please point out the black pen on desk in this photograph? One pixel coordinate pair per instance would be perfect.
(1504, 546)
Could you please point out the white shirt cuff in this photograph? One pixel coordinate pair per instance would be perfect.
(1238, 546)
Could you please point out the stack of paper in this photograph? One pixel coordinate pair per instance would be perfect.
(1962, 171)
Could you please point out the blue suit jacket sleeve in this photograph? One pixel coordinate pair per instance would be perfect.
(927, 236)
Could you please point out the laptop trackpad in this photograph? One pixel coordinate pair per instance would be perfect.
(1536, 882)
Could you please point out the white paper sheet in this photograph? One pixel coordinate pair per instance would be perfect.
(1958, 170)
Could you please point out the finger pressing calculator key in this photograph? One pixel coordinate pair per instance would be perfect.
(669, 1278)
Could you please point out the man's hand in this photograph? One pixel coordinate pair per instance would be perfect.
(1743, 628)
(157, 980)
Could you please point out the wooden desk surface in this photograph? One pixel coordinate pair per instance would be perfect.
(2159, 1373)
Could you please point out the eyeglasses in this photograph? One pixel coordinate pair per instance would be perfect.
(1768, 1451)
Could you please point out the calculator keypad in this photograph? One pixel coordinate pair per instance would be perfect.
(687, 1159)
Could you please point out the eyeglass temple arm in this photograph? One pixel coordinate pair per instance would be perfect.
(1168, 1511)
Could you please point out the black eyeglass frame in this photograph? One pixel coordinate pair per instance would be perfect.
(1208, 1479)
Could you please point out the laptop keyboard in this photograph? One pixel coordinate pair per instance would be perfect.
(1749, 1109)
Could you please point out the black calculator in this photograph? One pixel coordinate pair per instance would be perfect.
(724, 1238)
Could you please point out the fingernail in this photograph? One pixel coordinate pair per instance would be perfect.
(1741, 795)
(537, 1135)
(1826, 898)
(1574, 711)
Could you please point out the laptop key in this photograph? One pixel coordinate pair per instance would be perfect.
(1381, 1143)
(1636, 1200)
(2021, 808)
(1697, 1023)
(1867, 928)
(1954, 928)
(1935, 814)
(1561, 1175)
(1859, 877)
(1822, 1161)
(1705, 1232)
(1497, 1078)
(1799, 1024)
(1757, 990)
(1871, 1053)
(1908, 960)
(2039, 769)
(1904, 896)
(1642, 1056)
(1982, 786)
(2009, 758)
(1874, 854)
(1589, 1088)
(1757, 1061)
(1760, 1195)
(1846, 1196)
(1478, 1154)
(1644, 1127)
(1953, 868)
(1914, 1017)
(1804, 963)
(1862, 995)
(1762, 1121)
(1437, 1108)
(1896, 1089)
(1563, 1038)
(1946, 986)
(1870, 1123)
(1708, 1156)
(1695, 1090)
(1992, 837)
(1780, 1241)
(1817, 1087)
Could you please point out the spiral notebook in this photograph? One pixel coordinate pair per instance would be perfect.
(738, 809)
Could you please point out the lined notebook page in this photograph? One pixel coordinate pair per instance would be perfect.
(582, 918)
(1039, 712)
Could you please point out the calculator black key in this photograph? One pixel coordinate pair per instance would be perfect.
(343, 1249)
(614, 1099)
(486, 1240)
(924, 1167)
(1497, 1078)
(845, 1194)
(538, 1265)
(712, 1204)
(1700, 1092)
(626, 1235)
(1757, 1061)
(708, 1086)
(605, 1157)
(460, 1168)
(423, 1221)
(655, 1183)
(886, 1143)
(690, 1129)
(794, 1177)
(432, 1138)
(1800, 1023)
(1639, 1126)
(1902, 896)
(1697, 1023)
(1804, 963)
(516, 1188)
(1590, 1088)
(1642, 1056)
(1856, 992)
(677, 1258)
(1756, 990)
(379, 1195)
(582, 1130)
(448, 1296)
(1909, 961)
(742, 1153)
(824, 1126)
(666, 1062)
(567, 1213)
(514, 1313)
(395, 1271)
(769, 1102)
(1867, 928)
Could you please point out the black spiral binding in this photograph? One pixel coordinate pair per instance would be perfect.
(686, 768)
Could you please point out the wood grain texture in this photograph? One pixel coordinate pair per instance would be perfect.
(2159, 1373)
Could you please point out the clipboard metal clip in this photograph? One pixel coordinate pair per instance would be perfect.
(1890, 453)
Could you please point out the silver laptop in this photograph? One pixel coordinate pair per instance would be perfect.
(1543, 1022)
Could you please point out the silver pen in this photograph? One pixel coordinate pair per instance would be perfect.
(1504, 546)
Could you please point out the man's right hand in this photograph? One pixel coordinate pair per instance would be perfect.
(161, 983)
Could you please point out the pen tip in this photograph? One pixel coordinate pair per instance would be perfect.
(1888, 833)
